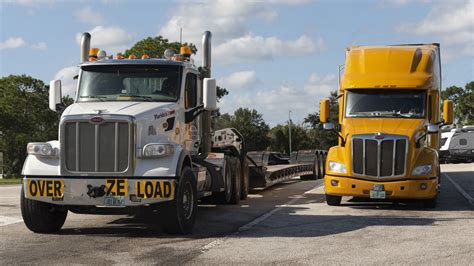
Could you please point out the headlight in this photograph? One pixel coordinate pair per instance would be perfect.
(41, 149)
(157, 149)
(337, 167)
(422, 169)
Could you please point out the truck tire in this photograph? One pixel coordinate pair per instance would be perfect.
(244, 192)
(179, 214)
(315, 174)
(41, 217)
(333, 200)
(236, 181)
(225, 196)
(321, 165)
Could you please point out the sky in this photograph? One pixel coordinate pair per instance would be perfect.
(273, 56)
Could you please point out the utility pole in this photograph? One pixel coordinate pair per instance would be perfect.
(341, 67)
(289, 128)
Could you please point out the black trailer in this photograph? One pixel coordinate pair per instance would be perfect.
(267, 168)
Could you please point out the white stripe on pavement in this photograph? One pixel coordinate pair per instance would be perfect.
(462, 191)
(6, 220)
(255, 222)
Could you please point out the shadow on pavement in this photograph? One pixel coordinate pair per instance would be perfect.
(221, 220)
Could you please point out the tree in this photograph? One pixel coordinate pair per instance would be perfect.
(463, 99)
(156, 46)
(25, 117)
(324, 139)
(250, 124)
(300, 140)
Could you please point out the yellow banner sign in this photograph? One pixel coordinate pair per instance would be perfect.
(156, 189)
(45, 188)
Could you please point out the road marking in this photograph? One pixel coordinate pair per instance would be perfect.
(256, 221)
(6, 220)
(462, 191)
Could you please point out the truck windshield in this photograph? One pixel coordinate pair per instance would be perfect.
(130, 83)
(385, 103)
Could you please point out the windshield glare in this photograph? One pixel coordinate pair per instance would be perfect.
(385, 103)
(130, 83)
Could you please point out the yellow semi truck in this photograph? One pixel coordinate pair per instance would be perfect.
(388, 125)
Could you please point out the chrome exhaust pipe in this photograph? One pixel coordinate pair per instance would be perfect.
(206, 115)
(206, 52)
(85, 46)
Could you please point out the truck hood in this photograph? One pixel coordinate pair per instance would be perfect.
(120, 108)
(397, 126)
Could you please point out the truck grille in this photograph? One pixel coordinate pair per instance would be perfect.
(379, 157)
(96, 148)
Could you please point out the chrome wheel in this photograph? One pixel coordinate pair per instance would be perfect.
(188, 199)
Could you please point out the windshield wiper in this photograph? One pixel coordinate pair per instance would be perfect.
(100, 98)
(147, 98)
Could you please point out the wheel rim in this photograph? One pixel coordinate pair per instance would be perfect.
(188, 201)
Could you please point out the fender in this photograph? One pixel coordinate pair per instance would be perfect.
(184, 160)
(42, 166)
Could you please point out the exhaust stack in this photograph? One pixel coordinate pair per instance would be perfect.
(206, 115)
(85, 46)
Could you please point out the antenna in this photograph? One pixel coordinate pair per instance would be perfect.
(180, 35)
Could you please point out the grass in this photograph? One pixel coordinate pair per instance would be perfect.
(10, 181)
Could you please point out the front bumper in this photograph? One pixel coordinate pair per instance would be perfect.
(110, 192)
(398, 189)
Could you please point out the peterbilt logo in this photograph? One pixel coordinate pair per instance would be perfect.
(379, 135)
(96, 120)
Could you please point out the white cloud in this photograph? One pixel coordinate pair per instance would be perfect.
(274, 104)
(452, 24)
(321, 86)
(68, 84)
(89, 16)
(33, 3)
(255, 48)
(228, 21)
(404, 2)
(12, 43)
(240, 80)
(39, 46)
(111, 39)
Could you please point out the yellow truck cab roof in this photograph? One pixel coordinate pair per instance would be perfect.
(394, 66)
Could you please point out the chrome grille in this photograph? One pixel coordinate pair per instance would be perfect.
(96, 147)
(379, 157)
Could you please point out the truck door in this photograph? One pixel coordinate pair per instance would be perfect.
(191, 101)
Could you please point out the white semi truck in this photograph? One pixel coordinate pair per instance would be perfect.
(138, 136)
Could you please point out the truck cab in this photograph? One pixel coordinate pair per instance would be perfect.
(137, 136)
(388, 125)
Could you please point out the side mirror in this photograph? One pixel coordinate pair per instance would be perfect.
(210, 94)
(328, 126)
(448, 112)
(55, 96)
(324, 111)
(432, 129)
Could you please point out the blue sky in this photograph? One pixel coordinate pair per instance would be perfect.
(274, 55)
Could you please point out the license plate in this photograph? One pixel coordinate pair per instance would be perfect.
(114, 201)
(377, 194)
(47, 188)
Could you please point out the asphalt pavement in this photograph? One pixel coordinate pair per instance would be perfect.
(286, 224)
